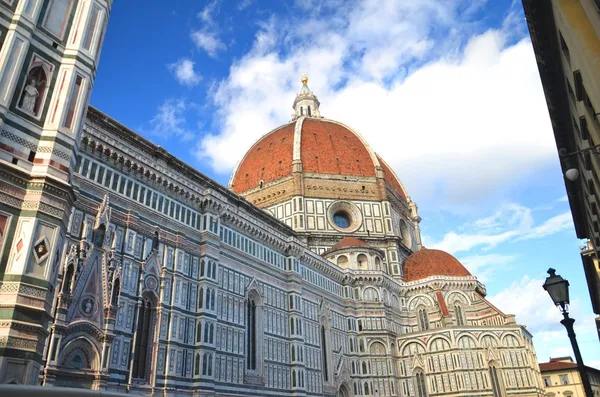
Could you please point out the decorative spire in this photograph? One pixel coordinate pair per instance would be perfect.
(306, 103)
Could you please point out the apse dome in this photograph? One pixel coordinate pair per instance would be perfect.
(431, 262)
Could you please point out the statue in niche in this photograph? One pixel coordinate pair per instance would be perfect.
(99, 236)
(31, 93)
(155, 241)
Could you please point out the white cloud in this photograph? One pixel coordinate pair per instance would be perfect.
(208, 41)
(184, 72)
(170, 121)
(243, 4)
(436, 101)
(553, 225)
(208, 12)
(483, 266)
(512, 222)
(207, 37)
(530, 304)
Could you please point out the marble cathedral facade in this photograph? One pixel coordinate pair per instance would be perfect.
(124, 269)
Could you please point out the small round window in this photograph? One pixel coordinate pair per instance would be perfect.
(341, 219)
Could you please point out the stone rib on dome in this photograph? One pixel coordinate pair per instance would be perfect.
(432, 262)
(269, 159)
(330, 148)
(391, 178)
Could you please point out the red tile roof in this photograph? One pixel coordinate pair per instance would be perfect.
(326, 148)
(269, 159)
(349, 242)
(431, 262)
(565, 358)
(330, 148)
(556, 366)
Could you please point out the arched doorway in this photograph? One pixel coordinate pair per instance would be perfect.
(343, 392)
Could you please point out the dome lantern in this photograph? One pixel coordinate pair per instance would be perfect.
(306, 103)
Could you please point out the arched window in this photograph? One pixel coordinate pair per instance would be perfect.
(458, 313)
(361, 345)
(214, 268)
(377, 348)
(377, 263)
(342, 261)
(197, 364)
(309, 112)
(292, 326)
(293, 378)
(324, 355)
(419, 383)
(364, 368)
(202, 266)
(465, 342)
(68, 279)
(142, 339)
(362, 261)
(206, 334)
(423, 318)
(301, 111)
(495, 381)
(370, 294)
(199, 332)
(205, 364)
(293, 353)
(201, 298)
(367, 392)
(251, 330)
(211, 338)
(115, 293)
(210, 356)
(212, 300)
(208, 296)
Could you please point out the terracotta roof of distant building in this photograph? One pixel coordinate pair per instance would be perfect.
(556, 366)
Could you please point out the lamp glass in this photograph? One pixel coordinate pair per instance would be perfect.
(572, 174)
(558, 289)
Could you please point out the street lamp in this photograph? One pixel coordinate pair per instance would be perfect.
(558, 289)
(572, 173)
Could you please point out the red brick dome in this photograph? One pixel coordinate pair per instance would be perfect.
(432, 262)
(320, 145)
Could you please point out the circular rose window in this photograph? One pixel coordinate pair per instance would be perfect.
(341, 219)
(344, 216)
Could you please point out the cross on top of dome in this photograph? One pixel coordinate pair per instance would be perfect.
(306, 103)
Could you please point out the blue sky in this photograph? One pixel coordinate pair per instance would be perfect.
(446, 91)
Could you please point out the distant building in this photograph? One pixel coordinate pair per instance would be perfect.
(565, 36)
(561, 378)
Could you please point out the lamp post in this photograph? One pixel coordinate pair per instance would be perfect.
(558, 289)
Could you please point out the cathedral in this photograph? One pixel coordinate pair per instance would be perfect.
(124, 269)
